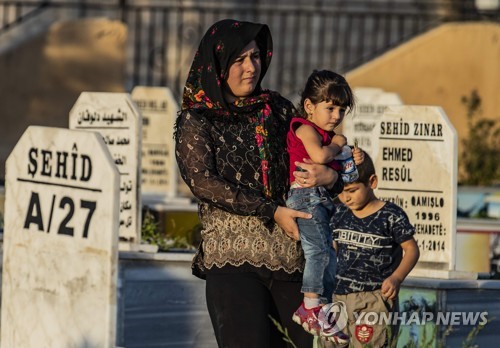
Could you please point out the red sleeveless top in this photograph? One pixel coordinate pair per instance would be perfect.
(296, 149)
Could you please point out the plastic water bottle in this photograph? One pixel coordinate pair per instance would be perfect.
(349, 172)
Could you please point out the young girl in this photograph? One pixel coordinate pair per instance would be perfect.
(325, 100)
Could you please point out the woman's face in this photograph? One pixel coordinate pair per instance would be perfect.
(244, 73)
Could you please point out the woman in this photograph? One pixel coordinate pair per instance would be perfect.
(231, 151)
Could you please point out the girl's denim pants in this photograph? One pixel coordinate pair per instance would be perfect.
(316, 239)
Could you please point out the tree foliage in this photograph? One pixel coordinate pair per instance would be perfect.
(481, 149)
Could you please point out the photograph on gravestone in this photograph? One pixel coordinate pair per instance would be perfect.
(159, 169)
(116, 117)
(59, 276)
(370, 105)
(415, 155)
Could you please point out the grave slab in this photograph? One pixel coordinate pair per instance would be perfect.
(370, 105)
(415, 156)
(59, 276)
(159, 168)
(116, 117)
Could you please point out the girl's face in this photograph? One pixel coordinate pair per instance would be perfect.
(244, 73)
(325, 115)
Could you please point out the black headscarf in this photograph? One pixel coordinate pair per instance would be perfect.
(204, 89)
(219, 48)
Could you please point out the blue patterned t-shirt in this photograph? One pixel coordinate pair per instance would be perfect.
(368, 249)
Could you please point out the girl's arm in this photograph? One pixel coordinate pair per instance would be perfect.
(321, 154)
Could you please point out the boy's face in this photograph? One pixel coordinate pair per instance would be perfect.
(356, 195)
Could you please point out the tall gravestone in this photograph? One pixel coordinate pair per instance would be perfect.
(415, 155)
(60, 241)
(160, 174)
(370, 105)
(116, 117)
(159, 168)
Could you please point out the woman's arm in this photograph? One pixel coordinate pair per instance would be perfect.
(196, 159)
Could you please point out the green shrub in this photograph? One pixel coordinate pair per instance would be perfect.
(481, 148)
(151, 234)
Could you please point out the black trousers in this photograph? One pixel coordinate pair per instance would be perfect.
(240, 304)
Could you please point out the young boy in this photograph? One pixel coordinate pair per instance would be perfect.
(376, 251)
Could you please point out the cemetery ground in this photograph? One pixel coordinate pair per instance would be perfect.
(163, 304)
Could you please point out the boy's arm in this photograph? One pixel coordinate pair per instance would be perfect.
(312, 143)
(390, 286)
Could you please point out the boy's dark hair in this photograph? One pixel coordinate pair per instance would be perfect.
(328, 86)
(365, 169)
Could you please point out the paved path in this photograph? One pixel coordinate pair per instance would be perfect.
(164, 306)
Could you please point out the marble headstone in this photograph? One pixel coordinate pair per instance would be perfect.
(415, 156)
(370, 105)
(60, 241)
(159, 168)
(116, 117)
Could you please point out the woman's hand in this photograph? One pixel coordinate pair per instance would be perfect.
(285, 218)
(315, 174)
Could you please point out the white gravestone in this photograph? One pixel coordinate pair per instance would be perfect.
(60, 241)
(116, 117)
(159, 167)
(415, 155)
(370, 105)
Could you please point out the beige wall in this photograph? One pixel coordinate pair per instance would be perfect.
(42, 78)
(439, 67)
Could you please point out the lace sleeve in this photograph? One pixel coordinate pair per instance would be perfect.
(196, 159)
